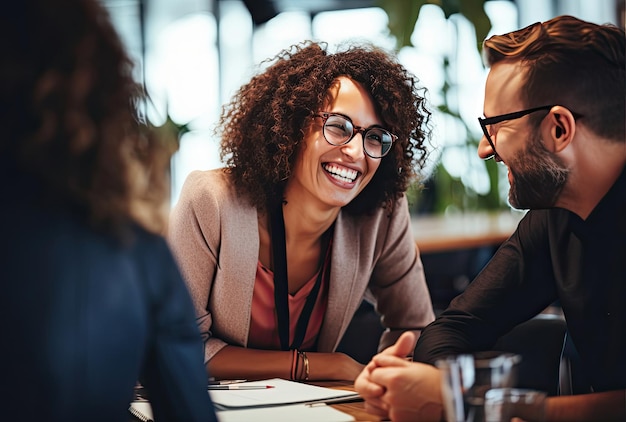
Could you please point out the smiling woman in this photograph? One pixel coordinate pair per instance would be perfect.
(329, 154)
(308, 217)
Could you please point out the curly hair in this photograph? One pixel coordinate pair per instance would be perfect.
(263, 127)
(572, 63)
(69, 114)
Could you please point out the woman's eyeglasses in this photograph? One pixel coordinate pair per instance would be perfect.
(339, 130)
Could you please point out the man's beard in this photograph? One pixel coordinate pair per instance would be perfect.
(538, 177)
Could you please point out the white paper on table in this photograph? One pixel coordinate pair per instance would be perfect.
(285, 413)
(284, 392)
(144, 409)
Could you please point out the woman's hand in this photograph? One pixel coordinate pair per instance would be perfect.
(333, 366)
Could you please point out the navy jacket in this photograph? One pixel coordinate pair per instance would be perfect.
(84, 317)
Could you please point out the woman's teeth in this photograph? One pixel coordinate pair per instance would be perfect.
(341, 174)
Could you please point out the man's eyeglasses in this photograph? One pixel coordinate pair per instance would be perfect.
(509, 116)
(339, 130)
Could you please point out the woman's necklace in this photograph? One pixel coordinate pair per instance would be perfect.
(281, 283)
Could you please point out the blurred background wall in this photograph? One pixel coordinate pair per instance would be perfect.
(193, 54)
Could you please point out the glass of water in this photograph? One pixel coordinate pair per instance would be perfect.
(503, 404)
(467, 377)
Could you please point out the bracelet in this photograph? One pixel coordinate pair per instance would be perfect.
(294, 363)
(306, 366)
(296, 377)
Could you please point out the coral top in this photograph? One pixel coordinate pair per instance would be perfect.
(263, 321)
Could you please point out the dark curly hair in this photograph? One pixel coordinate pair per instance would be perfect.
(263, 127)
(68, 112)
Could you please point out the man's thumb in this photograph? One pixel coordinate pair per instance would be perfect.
(404, 346)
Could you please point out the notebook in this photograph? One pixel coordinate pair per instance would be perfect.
(282, 392)
(285, 413)
(141, 411)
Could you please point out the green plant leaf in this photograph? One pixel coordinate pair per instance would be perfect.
(474, 11)
(445, 191)
(402, 17)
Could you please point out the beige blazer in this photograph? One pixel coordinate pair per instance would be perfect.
(214, 235)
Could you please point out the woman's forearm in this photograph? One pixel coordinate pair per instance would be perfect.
(233, 362)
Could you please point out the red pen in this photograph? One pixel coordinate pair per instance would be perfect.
(225, 382)
(239, 387)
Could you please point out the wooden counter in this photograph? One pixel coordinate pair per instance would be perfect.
(464, 230)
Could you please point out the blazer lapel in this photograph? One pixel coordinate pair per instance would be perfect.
(239, 246)
(345, 293)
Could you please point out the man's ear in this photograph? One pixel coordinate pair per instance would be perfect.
(561, 127)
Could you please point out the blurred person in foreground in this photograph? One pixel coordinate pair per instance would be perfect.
(554, 101)
(308, 217)
(92, 300)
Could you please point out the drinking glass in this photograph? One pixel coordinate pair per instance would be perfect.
(466, 378)
(502, 404)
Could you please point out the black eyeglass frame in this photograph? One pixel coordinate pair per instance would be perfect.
(324, 115)
(484, 122)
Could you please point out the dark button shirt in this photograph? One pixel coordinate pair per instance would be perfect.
(553, 255)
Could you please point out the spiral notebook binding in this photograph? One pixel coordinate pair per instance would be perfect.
(138, 415)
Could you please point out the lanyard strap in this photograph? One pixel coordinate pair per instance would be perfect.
(281, 284)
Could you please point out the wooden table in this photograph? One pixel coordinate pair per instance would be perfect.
(354, 409)
(357, 411)
(440, 233)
